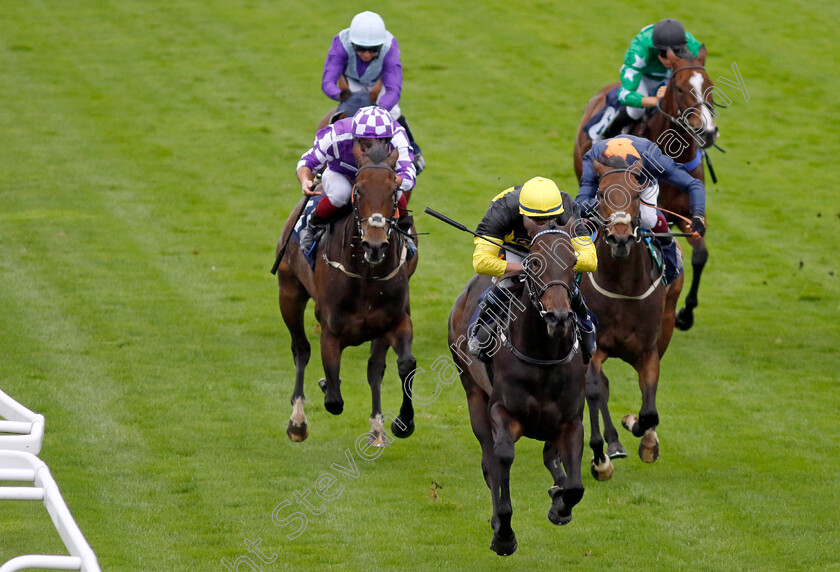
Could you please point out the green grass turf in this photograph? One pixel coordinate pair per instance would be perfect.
(148, 152)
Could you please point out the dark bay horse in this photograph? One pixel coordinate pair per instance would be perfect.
(349, 106)
(635, 315)
(360, 288)
(536, 388)
(683, 126)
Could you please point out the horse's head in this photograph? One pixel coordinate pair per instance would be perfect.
(689, 96)
(619, 200)
(549, 274)
(375, 195)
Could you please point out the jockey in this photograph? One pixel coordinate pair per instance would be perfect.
(656, 166)
(363, 54)
(333, 149)
(646, 69)
(540, 200)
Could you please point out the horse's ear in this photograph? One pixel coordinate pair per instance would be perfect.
(392, 158)
(701, 55)
(635, 168)
(673, 59)
(600, 168)
(358, 152)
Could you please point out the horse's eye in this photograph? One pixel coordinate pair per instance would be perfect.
(534, 265)
(680, 90)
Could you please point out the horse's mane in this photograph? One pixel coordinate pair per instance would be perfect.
(379, 151)
(614, 161)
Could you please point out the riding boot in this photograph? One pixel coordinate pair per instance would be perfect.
(622, 119)
(310, 233)
(483, 326)
(585, 323)
(404, 224)
(419, 161)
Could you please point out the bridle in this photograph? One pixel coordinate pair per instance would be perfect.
(535, 293)
(623, 217)
(376, 220)
(680, 111)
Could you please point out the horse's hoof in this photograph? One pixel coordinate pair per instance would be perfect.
(602, 471)
(402, 429)
(616, 451)
(629, 422)
(556, 519)
(322, 383)
(297, 433)
(334, 407)
(684, 319)
(503, 547)
(649, 447)
(377, 439)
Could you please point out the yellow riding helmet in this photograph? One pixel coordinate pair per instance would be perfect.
(540, 197)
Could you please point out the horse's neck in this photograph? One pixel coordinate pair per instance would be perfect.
(659, 124)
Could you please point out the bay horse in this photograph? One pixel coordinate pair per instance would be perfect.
(350, 105)
(635, 312)
(683, 126)
(361, 293)
(534, 385)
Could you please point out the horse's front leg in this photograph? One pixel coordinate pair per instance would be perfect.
(699, 257)
(568, 491)
(375, 372)
(596, 400)
(505, 433)
(400, 339)
(293, 299)
(645, 424)
(331, 358)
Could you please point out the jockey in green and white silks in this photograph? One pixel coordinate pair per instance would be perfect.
(643, 72)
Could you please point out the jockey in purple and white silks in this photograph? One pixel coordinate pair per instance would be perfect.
(333, 151)
(363, 54)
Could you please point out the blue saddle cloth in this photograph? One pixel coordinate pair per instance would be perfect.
(668, 254)
(302, 221)
(611, 106)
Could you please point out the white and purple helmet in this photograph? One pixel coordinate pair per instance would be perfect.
(373, 123)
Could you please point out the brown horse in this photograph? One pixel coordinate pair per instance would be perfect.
(682, 126)
(349, 106)
(360, 288)
(534, 385)
(635, 314)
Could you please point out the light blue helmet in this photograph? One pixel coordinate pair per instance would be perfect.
(367, 29)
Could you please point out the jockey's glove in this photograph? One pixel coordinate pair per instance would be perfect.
(698, 225)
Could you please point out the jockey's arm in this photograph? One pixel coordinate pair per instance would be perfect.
(587, 256)
(333, 68)
(486, 257)
(392, 77)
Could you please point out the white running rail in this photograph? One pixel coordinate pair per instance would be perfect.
(19, 464)
(23, 430)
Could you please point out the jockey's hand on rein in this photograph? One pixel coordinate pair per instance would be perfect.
(698, 225)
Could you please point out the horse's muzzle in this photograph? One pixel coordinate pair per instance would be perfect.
(374, 251)
(620, 245)
(559, 323)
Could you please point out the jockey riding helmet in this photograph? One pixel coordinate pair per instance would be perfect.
(373, 123)
(540, 197)
(669, 33)
(367, 29)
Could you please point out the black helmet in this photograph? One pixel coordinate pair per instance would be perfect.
(669, 33)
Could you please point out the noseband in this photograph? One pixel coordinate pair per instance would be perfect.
(376, 220)
(680, 110)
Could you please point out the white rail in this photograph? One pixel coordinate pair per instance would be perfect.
(27, 427)
(18, 463)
